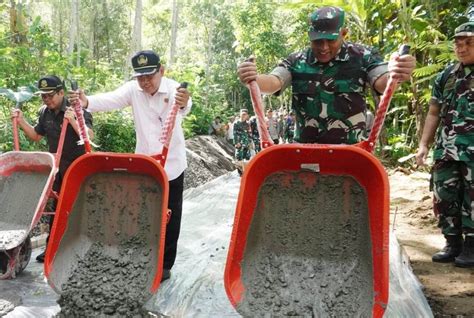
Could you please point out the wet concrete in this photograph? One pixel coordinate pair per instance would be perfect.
(20, 194)
(108, 256)
(8, 302)
(308, 251)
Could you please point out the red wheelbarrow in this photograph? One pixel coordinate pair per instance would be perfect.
(26, 181)
(310, 234)
(110, 224)
(26, 178)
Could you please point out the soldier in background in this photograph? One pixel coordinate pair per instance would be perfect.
(242, 136)
(451, 113)
(329, 81)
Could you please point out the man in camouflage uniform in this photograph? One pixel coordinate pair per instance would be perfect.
(329, 81)
(452, 105)
(242, 136)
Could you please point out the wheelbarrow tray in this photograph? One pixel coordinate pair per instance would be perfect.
(310, 234)
(110, 199)
(25, 181)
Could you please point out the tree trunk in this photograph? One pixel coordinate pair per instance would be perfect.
(78, 35)
(210, 35)
(136, 44)
(58, 13)
(105, 10)
(17, 23)
(72, 30)
(174, 32)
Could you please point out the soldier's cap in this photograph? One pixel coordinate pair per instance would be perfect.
(465, 29)
(326, 23)
(49, 84)
(145, 63)
(244, 110)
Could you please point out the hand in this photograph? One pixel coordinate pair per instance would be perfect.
(238, 145)
(421, 155)
(247, 72)
(74, 96)
(16, 113)
(401, 67)
(181, 97)
(70, 114)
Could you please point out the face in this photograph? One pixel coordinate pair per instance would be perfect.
(464, 49)
(53, 100)
(244, 116)
(269, 114)
(325, 50)
(150, 83)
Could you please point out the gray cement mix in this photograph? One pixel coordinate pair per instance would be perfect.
(8, 302)
(20, 194)
(114, 227)
(308, 250)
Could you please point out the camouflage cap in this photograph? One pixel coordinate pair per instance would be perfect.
(465, 29)
(326, 23)
(244, 110)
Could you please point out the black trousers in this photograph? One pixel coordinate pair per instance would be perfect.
(58, 181)
(175, 204)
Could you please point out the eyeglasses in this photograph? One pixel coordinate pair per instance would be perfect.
(459, 43)
(143, 78)
(48, 96)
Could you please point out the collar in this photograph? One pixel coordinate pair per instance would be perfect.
(468, 70)
(462, 70)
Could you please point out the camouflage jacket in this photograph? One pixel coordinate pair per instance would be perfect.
(453, 92)
(242, 132)
(329, 98)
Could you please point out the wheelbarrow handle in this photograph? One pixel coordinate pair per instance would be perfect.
(167, 130)
(62, 137)
(80, 120)
(16, 140)
(392, 85)
(256, 97)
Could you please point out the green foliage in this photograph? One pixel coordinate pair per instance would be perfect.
(213, 38)
(114, 131)
(29, 110)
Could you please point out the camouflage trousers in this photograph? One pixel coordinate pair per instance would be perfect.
(243, 152)
(453, 188)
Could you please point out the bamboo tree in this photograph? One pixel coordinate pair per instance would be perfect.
(174, 32)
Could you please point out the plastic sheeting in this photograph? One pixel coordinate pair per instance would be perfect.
(196, 286)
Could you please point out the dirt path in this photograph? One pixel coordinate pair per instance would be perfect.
(449, 289)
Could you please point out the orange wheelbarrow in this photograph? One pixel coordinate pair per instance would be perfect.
(112, 214)
(26, 181)
(310, 234)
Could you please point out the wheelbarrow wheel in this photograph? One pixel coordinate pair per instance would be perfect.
(11, 269)
(25, 255)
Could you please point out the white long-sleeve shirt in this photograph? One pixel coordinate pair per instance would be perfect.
(149, 113)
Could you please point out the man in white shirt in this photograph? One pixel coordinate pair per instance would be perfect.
(151, 96)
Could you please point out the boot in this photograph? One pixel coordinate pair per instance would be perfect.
(452, 249)
(466, 258)
(40, 257)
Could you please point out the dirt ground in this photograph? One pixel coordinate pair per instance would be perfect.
(449, 289)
